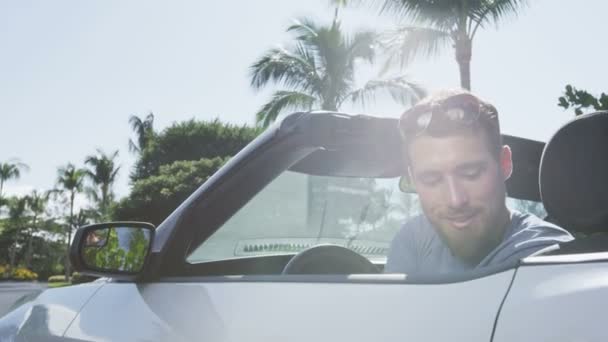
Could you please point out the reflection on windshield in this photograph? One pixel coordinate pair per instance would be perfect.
(297, 211)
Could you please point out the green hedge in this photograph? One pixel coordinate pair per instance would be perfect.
(56, 279)
(78, 278)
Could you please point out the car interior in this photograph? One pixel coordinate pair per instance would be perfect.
(571, 168)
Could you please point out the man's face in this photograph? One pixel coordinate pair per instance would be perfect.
(462, 191)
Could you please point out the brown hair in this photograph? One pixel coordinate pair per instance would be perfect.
(487, 121)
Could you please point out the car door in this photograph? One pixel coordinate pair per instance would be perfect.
(280, 308)
(557, 298)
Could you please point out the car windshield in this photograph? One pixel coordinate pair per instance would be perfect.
(296, 211)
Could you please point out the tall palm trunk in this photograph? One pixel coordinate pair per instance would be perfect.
(29, 252)
(463, 47)
(12, 255)
(12, 250)
(67, 253)
(104, 201)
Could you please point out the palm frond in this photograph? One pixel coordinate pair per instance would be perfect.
(310, 56)
(37, 201)
(342, 3)
(103, 169)
(283, 100)
(441, 14)
(144, 130)
(137, 125)
(19, 164)
(70, 178)
(292, 70)
(405, 43)
(325, 42)
(399, 88)
(114, 174)
(91, 193)
(133, 147)
(494, 11)
(304, 28)
(12, 169)
(362, 45)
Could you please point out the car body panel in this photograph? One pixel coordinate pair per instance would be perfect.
(556, 302)
(49, 314)
(294, 311)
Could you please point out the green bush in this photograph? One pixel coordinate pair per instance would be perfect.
(22, 273)
(3, 271)
(152, 199)
(56, 279)
(78, 278)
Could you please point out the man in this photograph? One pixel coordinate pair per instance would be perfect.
(458, 166)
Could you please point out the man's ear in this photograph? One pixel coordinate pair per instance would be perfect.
(406, 183)
(506, 162)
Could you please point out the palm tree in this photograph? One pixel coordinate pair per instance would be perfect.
(144, 129)
(70, 179)
(318, 71)
(83, 217)
(10, 170)
(102, 174)
(16, 218)
(36, 203)
(438, 23)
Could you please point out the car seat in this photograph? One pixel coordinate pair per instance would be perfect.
(574, 182)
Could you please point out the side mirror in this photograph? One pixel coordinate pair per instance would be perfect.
(115, 249)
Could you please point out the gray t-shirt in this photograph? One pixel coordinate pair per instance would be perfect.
(418, 249)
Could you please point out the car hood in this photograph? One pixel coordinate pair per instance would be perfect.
(46, 313)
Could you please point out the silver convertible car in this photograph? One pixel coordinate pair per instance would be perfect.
(287, 242)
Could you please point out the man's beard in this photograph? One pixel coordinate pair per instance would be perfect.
(474, 242)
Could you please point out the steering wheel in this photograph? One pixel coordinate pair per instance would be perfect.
(329, 259)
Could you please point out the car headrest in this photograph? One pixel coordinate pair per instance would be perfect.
(574, 174)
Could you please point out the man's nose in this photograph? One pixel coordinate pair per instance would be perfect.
(457, 194)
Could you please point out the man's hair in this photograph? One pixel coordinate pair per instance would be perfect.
(486, 122)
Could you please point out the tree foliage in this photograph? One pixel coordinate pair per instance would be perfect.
(152, 199)
(437, 24)
(102, 173)
(10, 170)
(36, 204)
(70, 181)
(582, 100)
(192, 140)
(144, 129)
(123, 249)
(318, 71)
(29, 238)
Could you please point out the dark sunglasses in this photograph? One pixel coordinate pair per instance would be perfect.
(458, 110)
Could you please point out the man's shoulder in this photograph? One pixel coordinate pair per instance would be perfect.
(526, 235)
(532, 226)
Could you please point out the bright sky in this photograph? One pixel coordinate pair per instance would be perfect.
(73, 71)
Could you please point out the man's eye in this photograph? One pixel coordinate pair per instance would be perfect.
(471, 173)
(429, 180)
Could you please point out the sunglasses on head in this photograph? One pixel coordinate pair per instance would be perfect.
(459, 110)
